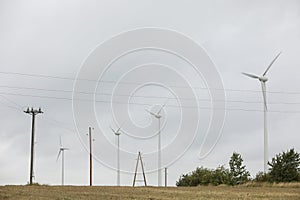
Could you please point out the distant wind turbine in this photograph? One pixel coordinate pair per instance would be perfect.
(117, 133)
(263, 79)
(61, 152)
(158, 116)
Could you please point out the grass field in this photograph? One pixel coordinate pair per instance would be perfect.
(99, 192)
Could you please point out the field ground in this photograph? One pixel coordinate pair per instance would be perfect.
(100, 192)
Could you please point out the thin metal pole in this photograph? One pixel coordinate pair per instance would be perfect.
(166, 176)
(118, 157)
(159, 155)
(265, 141)
(91, 156)
(263, 84)
(62, 167)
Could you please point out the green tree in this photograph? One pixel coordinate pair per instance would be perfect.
(238, 172)
(285, 167)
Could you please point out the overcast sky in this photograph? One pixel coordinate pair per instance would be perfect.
(43, 41)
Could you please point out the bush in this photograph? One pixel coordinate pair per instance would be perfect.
(204, 176)
(262, 177)
(221, 175)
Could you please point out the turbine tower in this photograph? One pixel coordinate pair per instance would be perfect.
(117, 133)
(61, 152)
(263, 79)
(158, 116)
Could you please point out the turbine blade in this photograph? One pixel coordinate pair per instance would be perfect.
(118, 130)
(150, 112)
(58, 155)
(271, 64)
(121, 126)
(162, 107)
(60, 141)
(263, 87)
(112, 129)
(251, 75)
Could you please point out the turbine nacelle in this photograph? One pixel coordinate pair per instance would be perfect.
(62, 149)
(263, 79)
(118, 133)
(157, 115)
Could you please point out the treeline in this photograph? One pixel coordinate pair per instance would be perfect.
(284, 167)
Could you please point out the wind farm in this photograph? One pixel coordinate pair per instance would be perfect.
(149, 100)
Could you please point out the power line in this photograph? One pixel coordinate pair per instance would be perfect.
(137, 83)
(145, 104)
(46, 117)
(11, 101)
(41, 76)
(9, 106)
(139, 96)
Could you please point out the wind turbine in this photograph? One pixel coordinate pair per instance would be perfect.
(61, 152)
(263, 79)
(117, 133)
(158, 116)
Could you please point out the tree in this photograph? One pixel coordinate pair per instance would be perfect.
(285, 167)
(239, 174)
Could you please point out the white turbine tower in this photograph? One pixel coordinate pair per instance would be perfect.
(61, 152)
(118, 133)
(263, 79)
(158, 116)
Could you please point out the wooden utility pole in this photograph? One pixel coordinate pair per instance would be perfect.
(33, 113)
(91, 156)
(136, 167)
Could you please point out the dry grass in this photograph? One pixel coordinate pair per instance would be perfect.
(276, 185)
(97, 192)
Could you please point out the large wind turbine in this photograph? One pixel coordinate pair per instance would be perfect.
(61, 152)
(117, 133)
(263, 79)
(158, 116)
